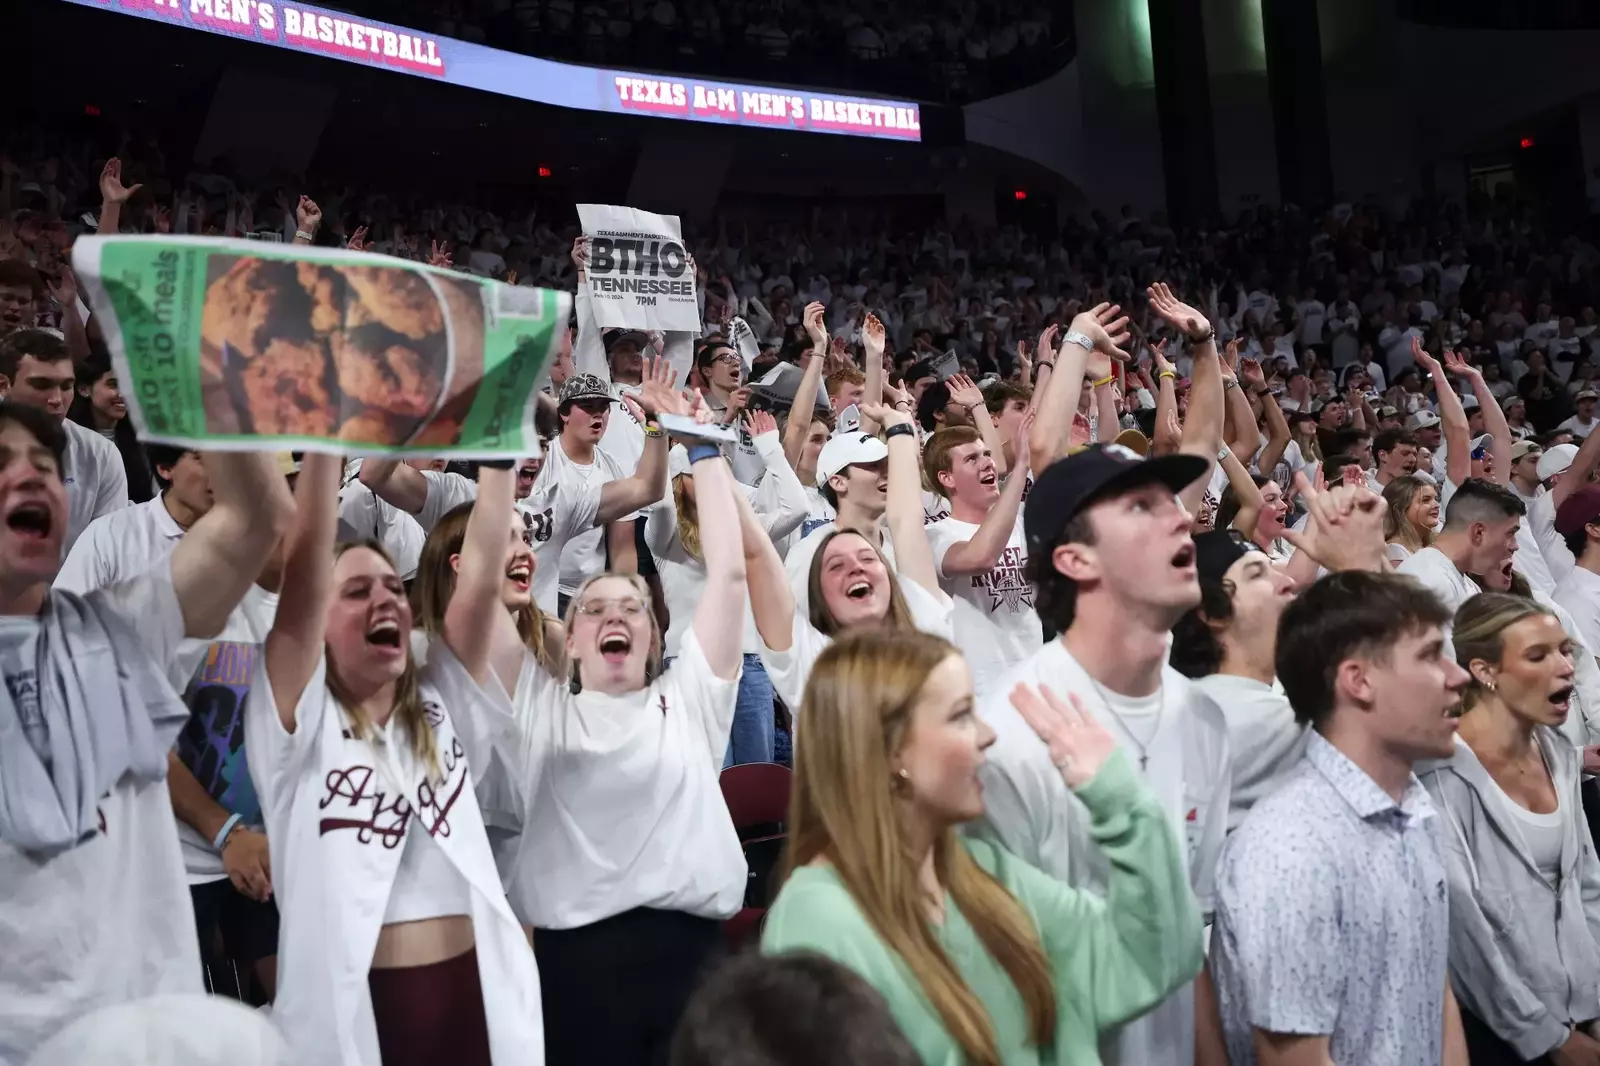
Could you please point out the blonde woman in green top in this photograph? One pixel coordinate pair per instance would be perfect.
(984, 960)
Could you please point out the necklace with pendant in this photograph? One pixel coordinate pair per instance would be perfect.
(1161, 709)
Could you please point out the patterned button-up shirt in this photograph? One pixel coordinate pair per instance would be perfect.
(1332, 918)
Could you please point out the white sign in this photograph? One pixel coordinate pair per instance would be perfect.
(640, 275)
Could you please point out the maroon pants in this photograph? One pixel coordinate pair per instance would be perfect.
(431, 1014)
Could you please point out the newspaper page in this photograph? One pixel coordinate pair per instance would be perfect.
(247, 345)
(640, 274)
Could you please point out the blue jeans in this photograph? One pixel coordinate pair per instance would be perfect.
(751, 739)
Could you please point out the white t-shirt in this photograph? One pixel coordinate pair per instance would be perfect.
(1434, 569)
(364, 515)
(110, 920)
(996, 626)
(621, 802)
(213, 675)
(1580, 595)
(584, 555)
(1579, 428)
(1541, 519)
(338, 811)
(1033, 814)
(930, 612)
(95, 479)
(797, 564)
(1262, 733)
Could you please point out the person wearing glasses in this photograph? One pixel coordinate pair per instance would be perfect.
(628, 859)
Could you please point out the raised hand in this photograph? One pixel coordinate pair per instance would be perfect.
(964, 392)
(64, 290)
(112, 191)
(307, 215)
(511, 277)
(658, 393)
(439, 254)
(162, 220)
(885, 415)
(815, 329)
(1177, 313)
(1078, 744)
(1424, 360)
(738, 400)
(1045, 351)
(1250, 373)
(873, 337)
(580, 255)
(894, 397)
(1230, 360)
(1344, 530)
(757, 423)
(358, 240)
(1107, 327)
(1456, 363)
(1158, 356)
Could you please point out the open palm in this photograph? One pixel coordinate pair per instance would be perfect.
(1078, 744)
(1177, 313)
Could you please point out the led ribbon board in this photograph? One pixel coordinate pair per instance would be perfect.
(336, 35)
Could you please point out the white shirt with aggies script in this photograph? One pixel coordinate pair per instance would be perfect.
(1180, 744)
(338, 812)
(996, 626)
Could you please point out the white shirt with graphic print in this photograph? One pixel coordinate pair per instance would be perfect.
(996, 626)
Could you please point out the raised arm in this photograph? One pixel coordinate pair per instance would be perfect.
(218, 560)
(294, 646)
(771, 599)
(965, 393)
(1240, 421)
(805, 403)
(912, 553)
(719, 616)
(1577, 475)
(113, 194)
(648, 483)
(780, 501)
(1251, 501)
(477, 627)
(1278, 435)
(589, 350)
(1458, 457)
(1494, 419)
(1093, 340)
(395, 483)
(980, 554)
(1202, 425)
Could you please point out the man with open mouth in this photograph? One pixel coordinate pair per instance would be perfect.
(981, 552)
(94, 909)
(36, 369)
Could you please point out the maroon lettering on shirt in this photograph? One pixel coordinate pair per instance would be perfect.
(367, 809)
(1007, 582)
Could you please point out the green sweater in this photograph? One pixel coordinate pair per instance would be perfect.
(1112, 959)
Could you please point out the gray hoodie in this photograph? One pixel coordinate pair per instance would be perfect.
(1524, 953)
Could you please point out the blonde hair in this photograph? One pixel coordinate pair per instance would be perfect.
(652, 663)
(408, 709)
(857, 708)
(821, 617)
(436, 583)
(1398, 528)
(1478, 633)
(688, 516)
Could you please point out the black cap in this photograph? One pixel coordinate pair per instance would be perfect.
(1069, 485)
(612, 337)
(1216, 550)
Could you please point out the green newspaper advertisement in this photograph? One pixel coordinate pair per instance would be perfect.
(246, 345)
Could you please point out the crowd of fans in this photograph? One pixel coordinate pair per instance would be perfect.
(949, 51)
(1183, 642)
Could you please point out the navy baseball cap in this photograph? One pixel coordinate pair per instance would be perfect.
(1069, 485)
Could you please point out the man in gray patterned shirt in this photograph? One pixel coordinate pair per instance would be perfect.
(1332, 915)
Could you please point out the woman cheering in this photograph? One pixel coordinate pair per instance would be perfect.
(983, 959)
(1524, 881)
(397, 945)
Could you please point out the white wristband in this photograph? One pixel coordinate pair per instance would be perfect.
(1082, 340)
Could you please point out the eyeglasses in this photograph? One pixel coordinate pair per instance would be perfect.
(629, 607)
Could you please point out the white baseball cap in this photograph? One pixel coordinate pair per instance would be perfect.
(1422, 420)
(1556, 460)
(848, 449)
(678, 461)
